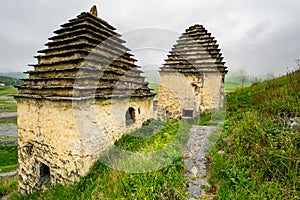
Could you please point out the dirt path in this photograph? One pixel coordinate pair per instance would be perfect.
(8, 134)
(7, 174)
(194, 159)
(10, 130)
(8, 116)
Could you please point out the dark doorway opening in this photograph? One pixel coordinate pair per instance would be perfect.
(130, 116)
(44, 174)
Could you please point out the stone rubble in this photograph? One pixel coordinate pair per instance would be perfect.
(8, 116)
(195, 160)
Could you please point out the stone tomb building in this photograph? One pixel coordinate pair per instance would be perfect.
(192, 78)
(84, 93)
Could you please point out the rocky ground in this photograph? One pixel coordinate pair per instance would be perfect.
(8, 132)
(194, 159)
(8, 136)
(8, 116)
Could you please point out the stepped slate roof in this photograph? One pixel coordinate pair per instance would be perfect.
(85, 59)
(195, 51)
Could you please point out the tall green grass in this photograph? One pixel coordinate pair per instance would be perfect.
(8, 90)
(7, 185)
(8, 158)
(8, 104)
(258, 155)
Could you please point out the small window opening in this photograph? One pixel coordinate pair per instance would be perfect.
(187, 113)
(130, 116)
(44, 174)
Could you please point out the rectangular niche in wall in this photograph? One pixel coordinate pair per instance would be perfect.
(130, 116)
(44, 174)
(187, 113)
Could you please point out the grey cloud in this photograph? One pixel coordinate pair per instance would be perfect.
(258, 36)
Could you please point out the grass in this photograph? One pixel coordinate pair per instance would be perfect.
(8, 154)
(154, 87)
(233, 85)
(9, 122)
(8, 104)
(146, 141)
(8, 90)
(7, 185)
(8, 158)
(257, 155)
(236, 81)
(205, 119)
(104, 182)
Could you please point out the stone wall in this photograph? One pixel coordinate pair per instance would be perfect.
(60, 140)
(177, 93)
(213, 92)
(199, 92)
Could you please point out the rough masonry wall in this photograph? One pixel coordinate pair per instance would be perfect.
(212, 95)
(176, 93)
(68, 137)
(197, 92)
(48, 135)
(111, 115)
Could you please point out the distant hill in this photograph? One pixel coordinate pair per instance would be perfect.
(239, 79)
(10, 80)
(16, 75)
(152, 76)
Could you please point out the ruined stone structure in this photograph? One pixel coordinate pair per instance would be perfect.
(192, 78)
(84, 93)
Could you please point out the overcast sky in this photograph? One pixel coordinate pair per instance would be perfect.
(259, 36)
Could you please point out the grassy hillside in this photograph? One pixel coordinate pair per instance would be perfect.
(257, 156)
(10, 81)
(234, 81)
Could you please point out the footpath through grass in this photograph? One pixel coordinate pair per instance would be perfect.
(258, 155)
(104, 182)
